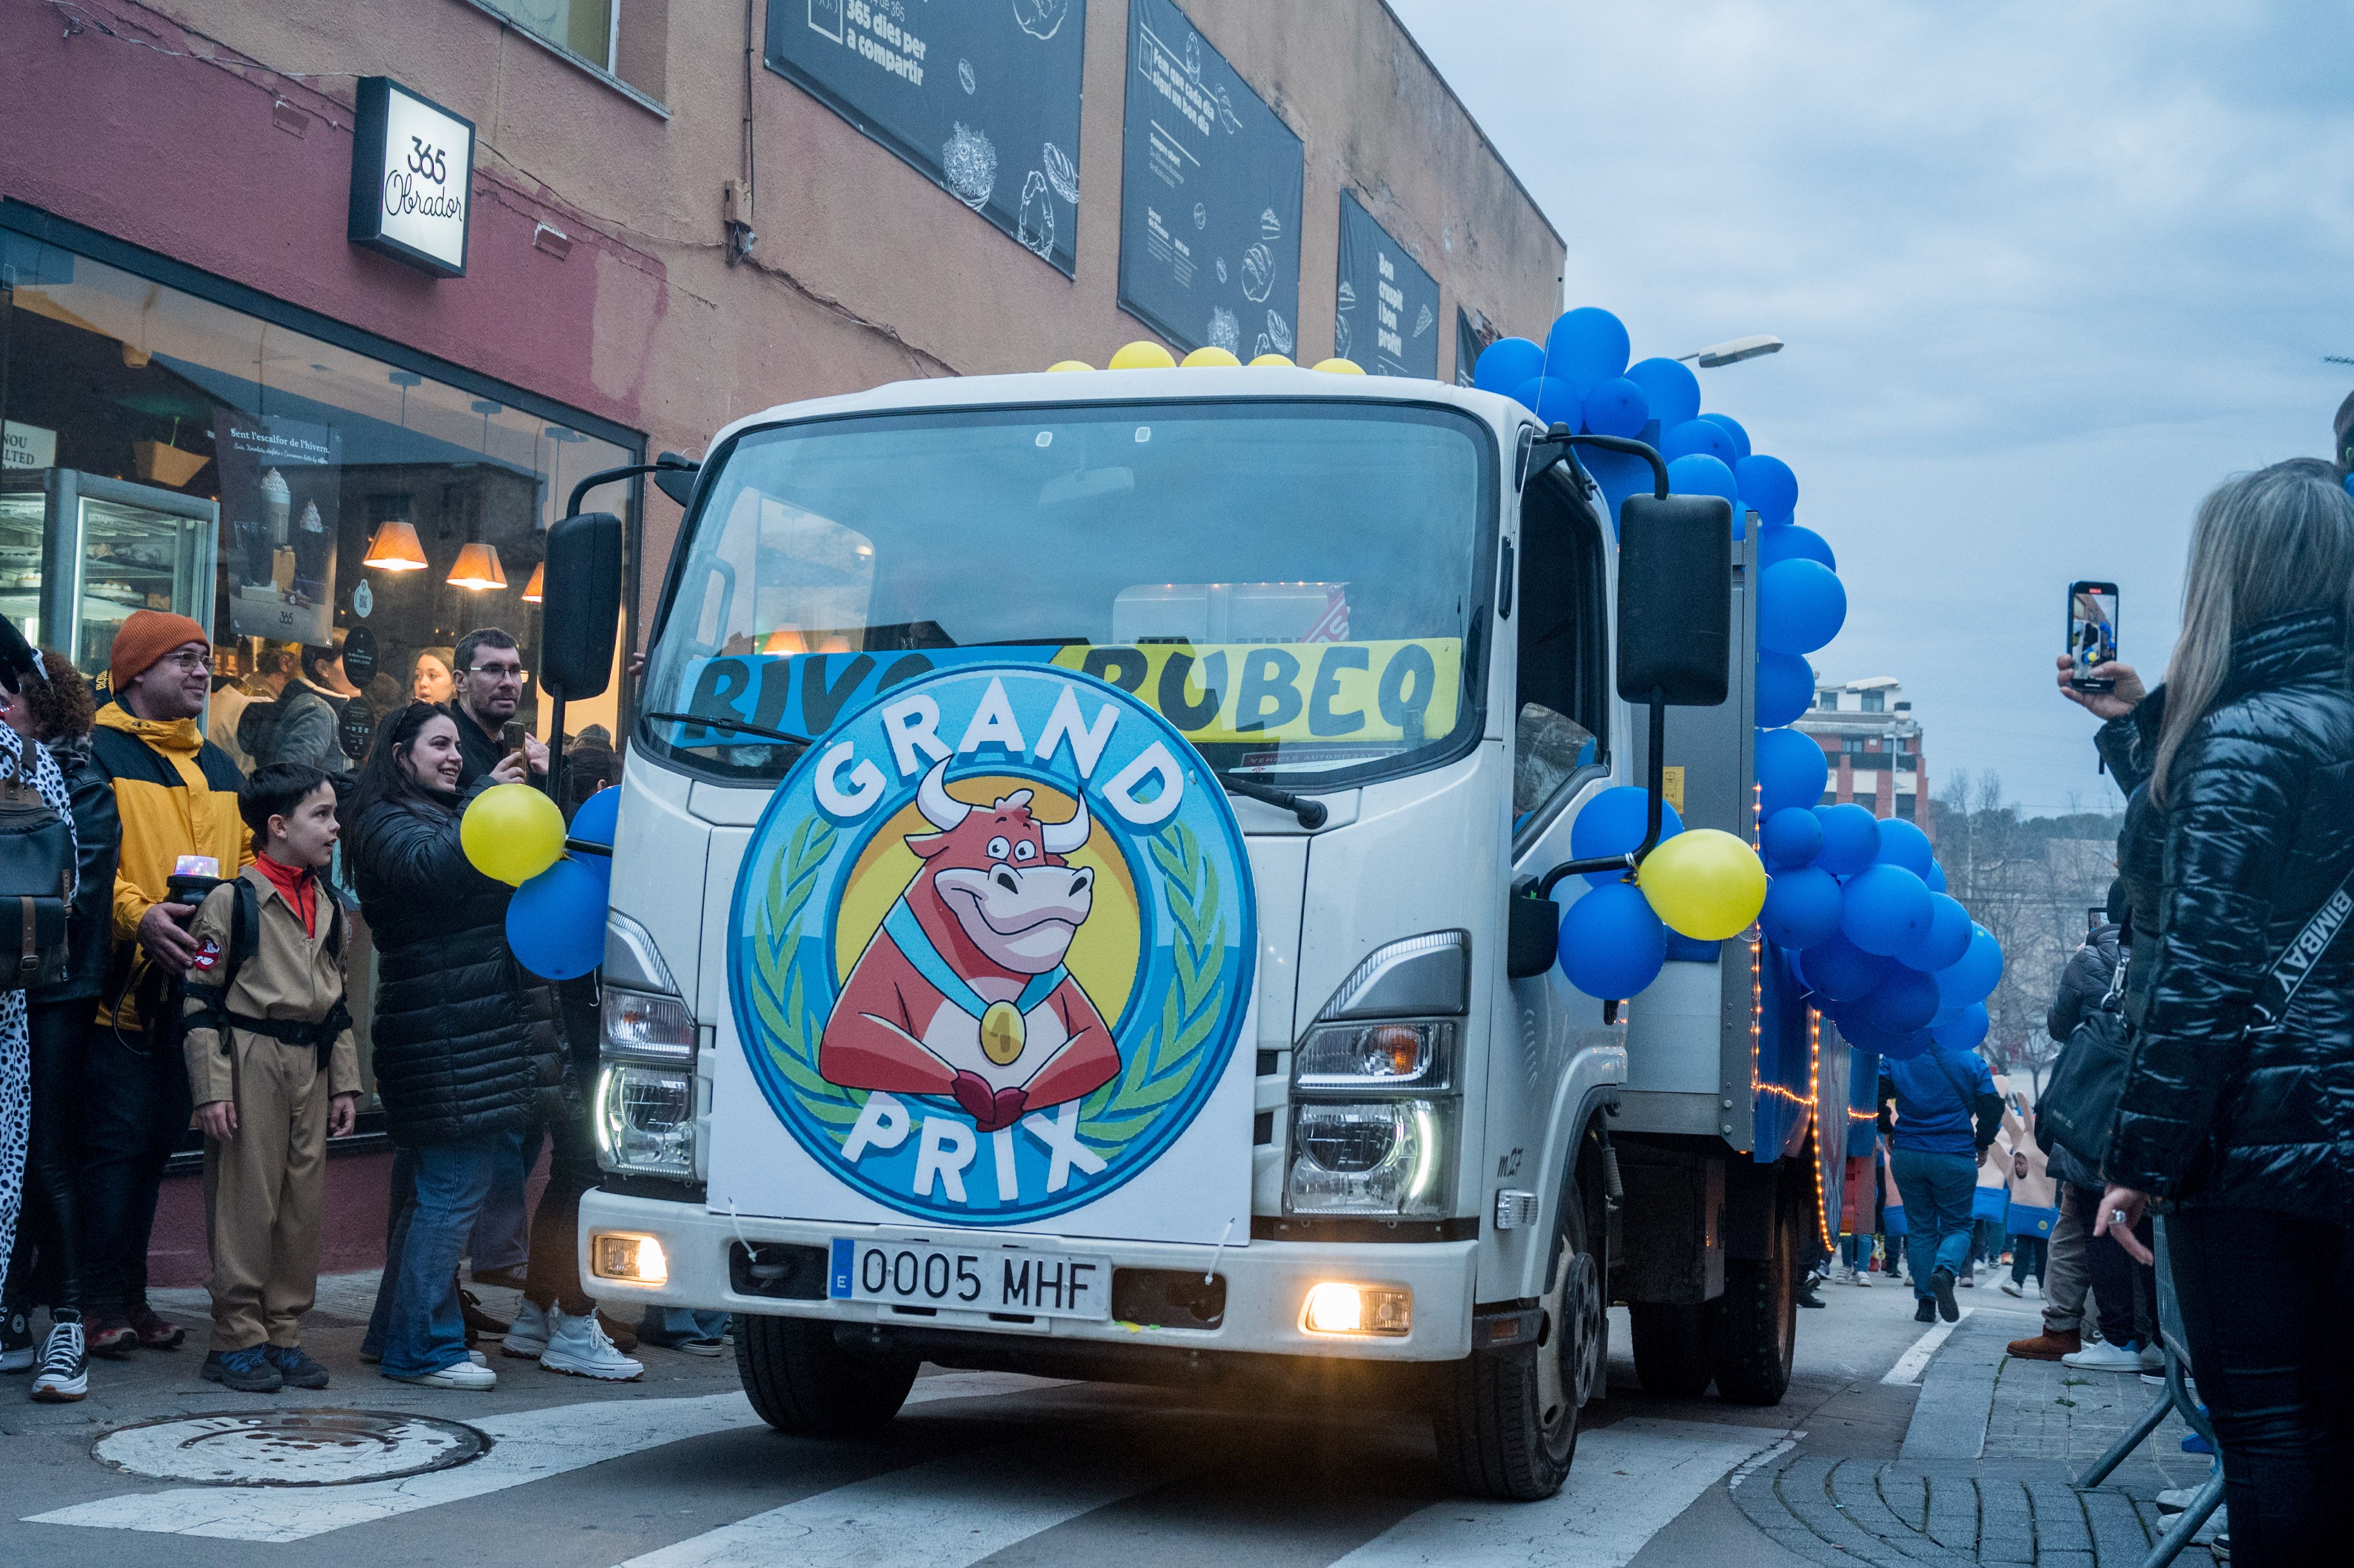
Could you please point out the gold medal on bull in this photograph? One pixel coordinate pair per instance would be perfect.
(1002, 1033)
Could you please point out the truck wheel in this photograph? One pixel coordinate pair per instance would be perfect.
(1671, 1357)
(801, 1382)
(1756, 1320)
(1507, 1423)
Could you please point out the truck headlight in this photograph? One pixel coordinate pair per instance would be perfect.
(1372, 1157)
(1385, 1053)
(642, 1025)
(645, 1119)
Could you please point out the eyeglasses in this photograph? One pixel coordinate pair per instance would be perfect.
(191, 663)
(515, 673)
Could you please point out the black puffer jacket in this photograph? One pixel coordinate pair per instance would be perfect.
(2082, 983)
(2257, 830)
(465, 1045)
(97, 843)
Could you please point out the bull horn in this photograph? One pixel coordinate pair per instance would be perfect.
(1019, 798)
(941, 809)
(1062, 838)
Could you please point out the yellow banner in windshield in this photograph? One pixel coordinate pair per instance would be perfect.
(1238, 693)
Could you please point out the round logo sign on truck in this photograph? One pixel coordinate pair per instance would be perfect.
(993, 943)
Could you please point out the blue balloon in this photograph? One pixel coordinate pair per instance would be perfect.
(1793, 837)
(1767, 487)
(1621, 475)
(1802, 907)
(1611, 945)
(1672, 388)
(1587, 347)
(1788, 542)
(1886, 909)
(1616, 408)
(1800, 607)
(1841, 970)
(1937, 878)
(1700, 474)
(1902, 843)
(1612, 824)
(1903, 1001)
(1697, 437)
(1507, 362)
(1889, 1043)
(1850, 839)
(1791, 769)
(1553, 400)
(1740, 436)
(1943, 941)
(1962, 1029)
(1785, 688)
(598, 817)
(556, 922)
(1975, 976)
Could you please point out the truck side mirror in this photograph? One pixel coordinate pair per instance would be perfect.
(581, 608)
(1675, 599)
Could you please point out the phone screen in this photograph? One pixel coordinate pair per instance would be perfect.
(2092, 631)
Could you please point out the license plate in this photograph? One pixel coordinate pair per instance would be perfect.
(970, 1279)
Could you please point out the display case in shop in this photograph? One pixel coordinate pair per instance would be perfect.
(79, 552)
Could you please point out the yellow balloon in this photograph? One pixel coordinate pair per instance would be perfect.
(1703, 884)
(1212, 354)
(1070, 365)
(1143, 355)
(1341, 367)
(1283, 359)
(511, 832)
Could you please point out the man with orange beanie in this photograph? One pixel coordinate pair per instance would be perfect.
(176, 794)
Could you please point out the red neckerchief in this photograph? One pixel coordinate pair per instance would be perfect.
(295, 883)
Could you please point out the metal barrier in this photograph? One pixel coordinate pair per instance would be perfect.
(2176, 1398)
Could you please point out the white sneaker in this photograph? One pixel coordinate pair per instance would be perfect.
(2103, 1357)
(479, 1359)
(528, 1338)
(467, 1375)
(578, 1346)
(65, 1365)
(2010, 1287)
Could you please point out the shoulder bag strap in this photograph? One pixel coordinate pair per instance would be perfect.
(2290, 971)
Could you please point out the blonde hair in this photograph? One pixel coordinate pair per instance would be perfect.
(2266, 545)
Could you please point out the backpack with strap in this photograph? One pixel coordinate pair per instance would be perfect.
(244, 941)
(36, 874)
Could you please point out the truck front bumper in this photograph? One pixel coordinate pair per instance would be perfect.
(1266, 1282)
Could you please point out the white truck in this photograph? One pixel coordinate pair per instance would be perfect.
(1077, 910)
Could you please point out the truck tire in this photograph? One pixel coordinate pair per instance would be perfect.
(1756, 1320)
(801, 1382)
(1507, 1422)
(1671, 1343)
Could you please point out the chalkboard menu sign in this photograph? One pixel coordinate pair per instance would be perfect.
(1386, 307)
(1209, 195)
(983, 99)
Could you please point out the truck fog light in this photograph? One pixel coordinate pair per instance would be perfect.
(1335, 1307)
(637, 1259)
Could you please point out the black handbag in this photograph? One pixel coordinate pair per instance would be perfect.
(36, 873)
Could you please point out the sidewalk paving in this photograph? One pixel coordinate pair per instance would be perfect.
(1988, 1469)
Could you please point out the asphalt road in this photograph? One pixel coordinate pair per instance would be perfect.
(675, 1472)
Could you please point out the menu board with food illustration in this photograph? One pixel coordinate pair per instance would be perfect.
(280, 482)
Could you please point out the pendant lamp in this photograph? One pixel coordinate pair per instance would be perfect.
(395, 549)
(478, 568)
(531, 590)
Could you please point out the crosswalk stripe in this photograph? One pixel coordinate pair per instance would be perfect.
(1629, 1480)
(1913, 1363)
(529, 1445)
(947, 1513)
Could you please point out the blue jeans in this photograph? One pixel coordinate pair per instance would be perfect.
(1938, 1189)
(417, 1323)
(686, 1322)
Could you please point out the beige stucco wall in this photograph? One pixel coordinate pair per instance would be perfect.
(865, 271)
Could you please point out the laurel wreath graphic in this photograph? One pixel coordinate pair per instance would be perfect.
(778, 995)
(1161, 1063)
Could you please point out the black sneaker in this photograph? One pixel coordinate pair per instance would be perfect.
(1941, 1282)
(1807, 1297)
(295, 1366)
(1926, 1312)
(480, 1324)
(64, 1376)
(248, 1371)
(16, 1340)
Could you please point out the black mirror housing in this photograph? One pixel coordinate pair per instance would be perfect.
(581, 608)
(1675, 599)
(674, 476)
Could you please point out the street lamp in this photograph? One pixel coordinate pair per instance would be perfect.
(1734, 352)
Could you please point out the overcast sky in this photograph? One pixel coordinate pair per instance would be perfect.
(2047, 274)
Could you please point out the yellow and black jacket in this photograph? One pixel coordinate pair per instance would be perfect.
(176, 794)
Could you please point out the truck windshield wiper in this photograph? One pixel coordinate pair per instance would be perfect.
(1311, 813)
(716, 721)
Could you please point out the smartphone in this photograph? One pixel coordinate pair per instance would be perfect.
(2092, 632)
(511, 737)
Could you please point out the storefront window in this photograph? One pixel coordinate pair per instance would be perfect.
(585, 28)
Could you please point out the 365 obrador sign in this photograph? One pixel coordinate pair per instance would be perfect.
(412, 177)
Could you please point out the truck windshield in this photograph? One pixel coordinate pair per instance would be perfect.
(1292, 585)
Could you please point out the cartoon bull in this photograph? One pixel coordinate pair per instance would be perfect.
(963, 992)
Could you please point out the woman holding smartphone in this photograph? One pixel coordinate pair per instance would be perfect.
(2239, 828)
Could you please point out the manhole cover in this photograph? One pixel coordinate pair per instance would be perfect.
(319, 1448)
